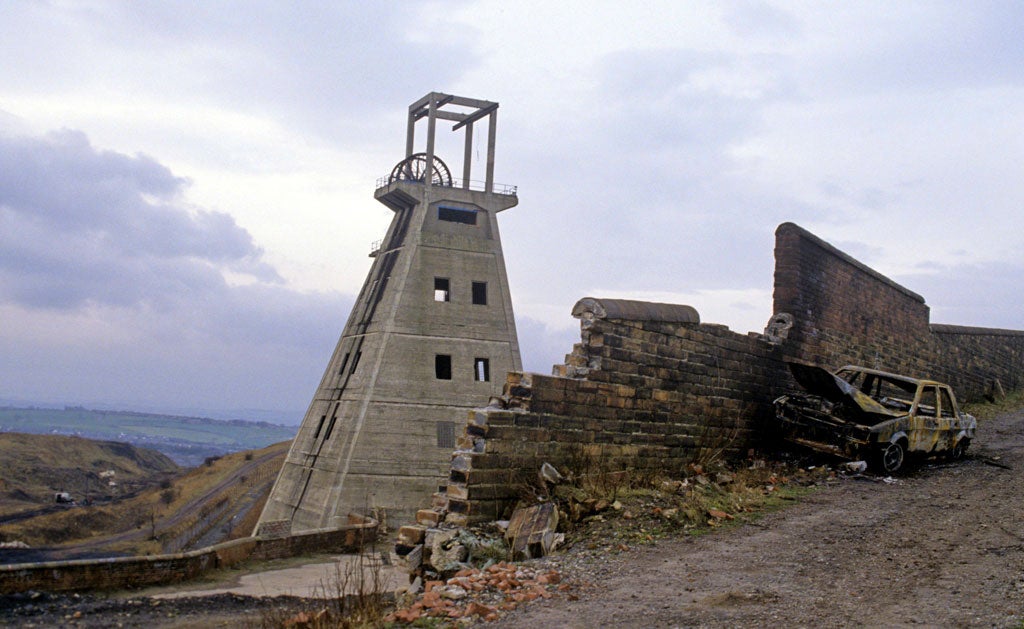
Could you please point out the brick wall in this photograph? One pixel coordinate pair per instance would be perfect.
(972, 359)
(846, 313)
(648, 395)
(650, 387)
(132, 572)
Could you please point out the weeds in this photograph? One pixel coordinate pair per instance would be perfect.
(716, 441)
(599, 476)
(639, 507)
(353, 597)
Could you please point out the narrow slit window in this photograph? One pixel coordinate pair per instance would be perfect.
(320, 426)
(480, 293)
(355, 362)
(443, 366)
(344, 361)
(456, 215)
(442, 289)
(482, 370)
(330, 428)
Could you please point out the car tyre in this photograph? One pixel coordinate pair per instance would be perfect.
(959, 450)
(891, 458)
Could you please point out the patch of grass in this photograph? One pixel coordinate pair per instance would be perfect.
(985, 410)
(647, 508)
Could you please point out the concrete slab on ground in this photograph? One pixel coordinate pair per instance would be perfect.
(317, 579)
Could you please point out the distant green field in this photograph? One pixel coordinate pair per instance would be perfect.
(187, 440)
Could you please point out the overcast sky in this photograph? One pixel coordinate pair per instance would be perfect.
(186, 189)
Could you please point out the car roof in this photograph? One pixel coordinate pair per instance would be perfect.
(889, 374)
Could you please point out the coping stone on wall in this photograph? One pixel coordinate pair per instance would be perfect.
(809, 237)
(964, 330)
(630, 310)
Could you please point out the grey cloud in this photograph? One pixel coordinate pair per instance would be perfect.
(332, 69)
(951, 46)
(257, 55)
(276, 315)
(88, 226)
(650, 189)
(255, 348)
(667, 135)
(88, 234)
(541, 347)
(982, 295)
(53, 177)
(756, 18)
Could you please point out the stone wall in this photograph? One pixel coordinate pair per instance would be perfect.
(650, 387)
(972, 360)
(649, 395)
(132, 572)
(846, 313)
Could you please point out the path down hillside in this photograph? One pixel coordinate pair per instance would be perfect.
(943, 546)
(201, 512)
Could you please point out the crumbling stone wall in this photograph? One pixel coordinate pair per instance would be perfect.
(650, 387)
(644, 395)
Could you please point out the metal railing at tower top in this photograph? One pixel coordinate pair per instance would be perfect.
(478, 186)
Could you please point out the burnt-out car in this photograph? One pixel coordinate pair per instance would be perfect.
(865, 414)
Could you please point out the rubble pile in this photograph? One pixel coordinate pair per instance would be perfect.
(460, 572)
(481, 593)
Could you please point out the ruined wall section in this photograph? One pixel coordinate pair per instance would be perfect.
(633, 395)
(847, 313)
(843, 311)
(650, 387)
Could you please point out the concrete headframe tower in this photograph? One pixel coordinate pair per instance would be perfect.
(431, 335)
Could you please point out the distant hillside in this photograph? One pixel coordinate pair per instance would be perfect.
(34, 467)
(218, 500)
(187, 440)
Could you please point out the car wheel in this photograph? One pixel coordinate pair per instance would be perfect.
(959, 450)
(891, 458)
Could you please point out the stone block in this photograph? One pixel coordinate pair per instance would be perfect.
(411, 534)
(458, 492)
(428, 517)
(410, 561)
(439, 501)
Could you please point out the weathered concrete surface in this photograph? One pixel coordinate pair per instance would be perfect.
(307, 580)
(432, 334)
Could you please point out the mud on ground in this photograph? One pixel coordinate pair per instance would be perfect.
(943, 546)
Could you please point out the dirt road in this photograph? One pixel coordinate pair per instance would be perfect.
(941, 547)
